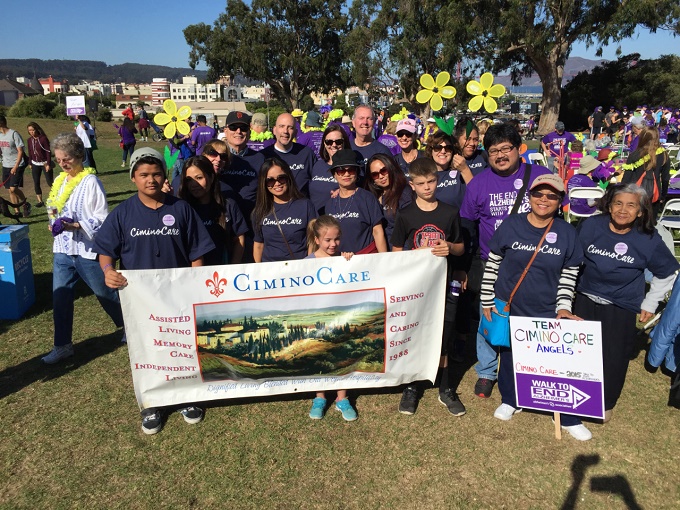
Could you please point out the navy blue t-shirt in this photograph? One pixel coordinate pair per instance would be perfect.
(516, 240)
(235, 225)
(368, 151)
(241, 175)
(300, 159)
(399, 158)
(477, 162)
(450, 187)
(321, 184)
(357, 215)
(293, 217)
(615, 263)
(390, 216)
(143, 238)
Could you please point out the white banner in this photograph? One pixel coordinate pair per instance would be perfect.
(75, 105)
(216, 332)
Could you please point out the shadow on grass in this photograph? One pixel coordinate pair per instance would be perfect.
(14, 379)
(616, 484)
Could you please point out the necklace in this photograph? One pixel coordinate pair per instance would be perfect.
(411, 155)
(344, 210)
(59, 196)
(641, 161)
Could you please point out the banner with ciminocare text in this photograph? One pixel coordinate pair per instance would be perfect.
(218, 332)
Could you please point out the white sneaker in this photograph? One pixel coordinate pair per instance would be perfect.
(505, 411)
(579, 432)
(58, 353)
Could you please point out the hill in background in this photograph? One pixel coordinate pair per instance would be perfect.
(92, 70)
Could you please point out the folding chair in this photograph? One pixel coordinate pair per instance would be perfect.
(670, 218)
(583, 193)
(537, 157)
(674, 156)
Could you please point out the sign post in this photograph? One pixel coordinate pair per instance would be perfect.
(558, 366)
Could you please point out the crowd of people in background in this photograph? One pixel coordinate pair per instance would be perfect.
(323, 184)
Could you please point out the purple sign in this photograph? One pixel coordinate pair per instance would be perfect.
(560, 395)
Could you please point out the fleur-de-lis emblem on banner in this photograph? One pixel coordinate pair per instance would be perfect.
(216, 283)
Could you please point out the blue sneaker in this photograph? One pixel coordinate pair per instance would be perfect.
(318, 407)
(348, 412)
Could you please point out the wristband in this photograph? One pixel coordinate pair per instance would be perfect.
(106, 267)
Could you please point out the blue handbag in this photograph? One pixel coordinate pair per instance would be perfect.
(497, 330)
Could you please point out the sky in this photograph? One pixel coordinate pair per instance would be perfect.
(117, 32)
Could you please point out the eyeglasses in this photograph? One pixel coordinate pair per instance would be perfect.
(339, 142)
(344, 170)
(238, 127)
(502, 150)
(281, 179)
(211, 152)
(442, 148)
(403, 133)
(383, 171)
(539, 195)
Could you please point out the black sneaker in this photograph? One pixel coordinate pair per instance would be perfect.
(152, 421)
(483, 387)
(449, 398)
(409, 401)
(192, 414)
(40, 204)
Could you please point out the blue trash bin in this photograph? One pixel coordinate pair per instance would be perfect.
(17, 291)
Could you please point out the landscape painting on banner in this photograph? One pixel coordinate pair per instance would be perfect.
(328, 334)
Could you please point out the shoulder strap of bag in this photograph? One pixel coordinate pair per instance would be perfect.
(523, 189)
(526, 269)
(284, 237)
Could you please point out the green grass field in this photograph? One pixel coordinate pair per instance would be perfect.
(71, 433)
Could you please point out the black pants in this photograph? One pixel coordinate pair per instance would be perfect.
(618, 340)
(36, 170)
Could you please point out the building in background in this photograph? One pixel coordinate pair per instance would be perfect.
(51, 85)
(191, 90)
(160, 91)
(12, 91)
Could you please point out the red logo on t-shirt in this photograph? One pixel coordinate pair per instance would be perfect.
(427, 235)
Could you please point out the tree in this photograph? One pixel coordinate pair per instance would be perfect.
(537, 35)
(396, 41)
(295, 46)
(626, 81)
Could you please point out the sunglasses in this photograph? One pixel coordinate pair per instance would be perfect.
(539, 195)
(401, 134)
(222, 155)
(442, 148)
(238, 127)
(339, 142)
(383, 171)
(351, 170)
(281, 179)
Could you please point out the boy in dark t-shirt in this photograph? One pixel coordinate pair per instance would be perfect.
(152, 230)
(430, 223)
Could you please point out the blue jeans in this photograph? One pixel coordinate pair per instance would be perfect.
(128, 149)
(487, 357)
(66, 271)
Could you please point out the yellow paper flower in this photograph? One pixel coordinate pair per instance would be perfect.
(173, 119)
(434, 90)
(484, 92)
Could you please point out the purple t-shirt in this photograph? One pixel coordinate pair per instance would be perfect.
(579, 205)
(321, 184)
(390, 141)
(293, 218)
(311, 139)
(258, 146)
(200, 136)
(489, 198)
(357, 215)
(300, 159)
(556, 141)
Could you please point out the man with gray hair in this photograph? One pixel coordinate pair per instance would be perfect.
(364, 143)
